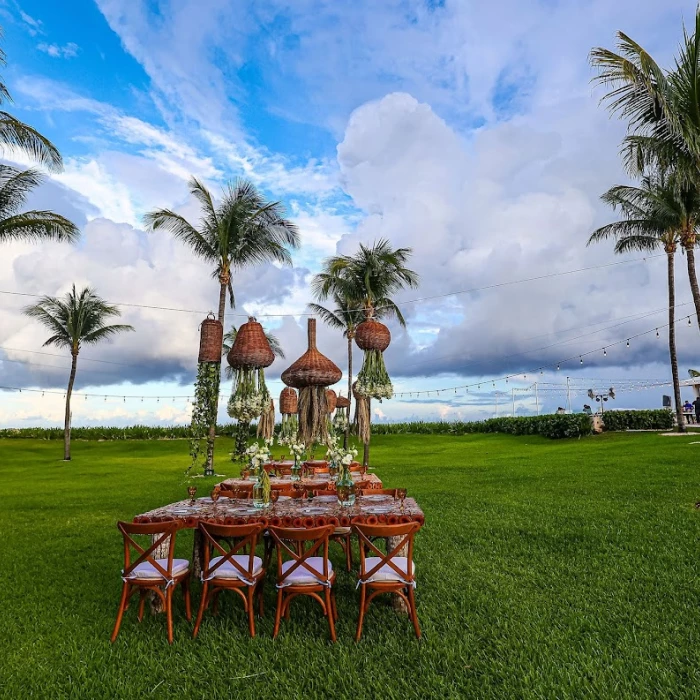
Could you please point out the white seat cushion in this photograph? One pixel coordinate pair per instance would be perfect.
(228, 570)
(301, 576)
(146, 570)
(387, 573)
(342, 531)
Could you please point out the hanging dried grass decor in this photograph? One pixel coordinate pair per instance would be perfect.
(266, 424)
(311, 374)
(289, 405)
(373, 379)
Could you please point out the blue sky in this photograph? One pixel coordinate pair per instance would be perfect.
(468, 131)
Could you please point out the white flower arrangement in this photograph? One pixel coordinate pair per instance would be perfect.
(340, 421)
(375, 390)
(258, 454)
(297, 449)
(340, 456)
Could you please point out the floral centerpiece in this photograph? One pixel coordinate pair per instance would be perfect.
(344, 485)
(297, 449)
(340, 421)
(258, 455)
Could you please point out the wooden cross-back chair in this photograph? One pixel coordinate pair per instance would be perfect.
(357, 467)
(387, 572)
(302, 571)
(231, 569)
(147, 573)
(378, 492)
(226, 493)
(342, 535)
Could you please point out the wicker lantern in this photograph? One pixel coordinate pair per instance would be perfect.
(311, 374)
(372, 335)
(342, 402)
(331, 400)
(289, 403)
(251, 348)
(312, 368)
(211, 340)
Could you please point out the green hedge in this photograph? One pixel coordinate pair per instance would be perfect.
(551, 426)
(133, 432)
(658, 419)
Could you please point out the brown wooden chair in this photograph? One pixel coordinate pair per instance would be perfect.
(231, 570)
(377, 492)
(302, 571)
(386, 572)
(225, 493)
(147, 573)
(357, 467)
(284, 469)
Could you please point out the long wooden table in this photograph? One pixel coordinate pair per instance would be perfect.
(318, 481)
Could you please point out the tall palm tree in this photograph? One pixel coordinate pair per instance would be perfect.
(243, 230)
(16, 135)
(362, 286)
(662, 109)
(18, 225)
(230, 338)
(75, 320)
(654, 218)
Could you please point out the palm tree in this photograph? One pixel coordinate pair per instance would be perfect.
(663, 113)
(18, 225)
(17, 135)
(243, 230)
(654, 218)
(361, 286)
(230, 337)
(75, 320)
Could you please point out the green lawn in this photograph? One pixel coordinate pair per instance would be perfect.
(546, 569)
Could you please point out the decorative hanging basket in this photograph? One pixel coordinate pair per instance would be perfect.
(342, 402)
(331, 400)
(372, 335)
(355, 393)
(289, 403)
(211, 340)
(312, 368)
(251, 348)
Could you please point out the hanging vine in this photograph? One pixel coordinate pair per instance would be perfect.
(204, 410)
(250, 398)
(373, 380)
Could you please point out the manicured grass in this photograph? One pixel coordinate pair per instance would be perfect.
(546, 569)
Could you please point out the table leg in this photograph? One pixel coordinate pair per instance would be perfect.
(160, 552)
(398, 603)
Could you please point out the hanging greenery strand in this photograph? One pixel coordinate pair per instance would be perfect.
(204, 410)
(362, 418)
(373, 379)
(266, 424)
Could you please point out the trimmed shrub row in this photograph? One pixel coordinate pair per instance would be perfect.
(551, 426)
(657, 419)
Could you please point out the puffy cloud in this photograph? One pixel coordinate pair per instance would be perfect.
(69, 50)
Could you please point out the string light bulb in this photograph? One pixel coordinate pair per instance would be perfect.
(689, 321)
(580, 359)
(605, 352)
(657, 332)
(628, 342)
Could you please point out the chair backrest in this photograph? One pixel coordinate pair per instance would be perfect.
(357, 467)
(367, 533)
(165, 529)
(325, 492)
(227, 541)
(361, 485)
(283, 469)
(240, 494)
(316, 537)
(379, 492)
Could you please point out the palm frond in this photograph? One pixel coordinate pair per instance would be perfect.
(182, 230)
(38, 225)
(18, 136)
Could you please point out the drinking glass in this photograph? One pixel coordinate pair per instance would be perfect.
(192, 492)
(274, 497)
(401, 495)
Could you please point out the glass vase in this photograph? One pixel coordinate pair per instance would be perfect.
(261, 490)
(332, 469)
(345, 487)
(296, 470)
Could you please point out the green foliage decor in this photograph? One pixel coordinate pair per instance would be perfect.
(204, 409)
(659, 419)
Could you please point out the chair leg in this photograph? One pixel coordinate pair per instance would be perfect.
(251, 610)
(169, 612)
(329, 609)
(360, 620)
(412, 611)
(202, 608)
(188, 601)
(335, 605)
(120, 613)
(278, 613)
(348, 552)
(142, 602)
(259, 589)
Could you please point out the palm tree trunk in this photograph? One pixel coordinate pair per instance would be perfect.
(347, 427)
(209, 466)
(693, 277)
(672, 340)
(69, 391)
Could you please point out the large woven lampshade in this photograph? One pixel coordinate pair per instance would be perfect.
(342, 402)
(312, 368)
(289, 402)
(372, 335)
(251, 348)
(331, 400)
(211, 340)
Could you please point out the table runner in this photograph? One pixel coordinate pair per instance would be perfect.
(295, 512)
(373, 481)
